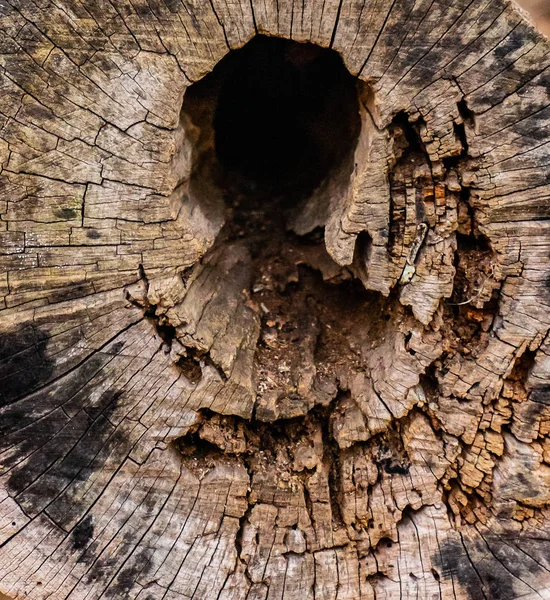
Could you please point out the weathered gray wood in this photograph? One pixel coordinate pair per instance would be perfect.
(163, 435)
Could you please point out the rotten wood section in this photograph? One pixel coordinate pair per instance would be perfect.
(275, 300)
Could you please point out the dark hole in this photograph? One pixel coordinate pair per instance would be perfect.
(361, 256)
(408, 338)
(473, 243)
(190, 365)
(282, 114)
(166, 332)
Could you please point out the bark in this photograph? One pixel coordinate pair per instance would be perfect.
(330, 381)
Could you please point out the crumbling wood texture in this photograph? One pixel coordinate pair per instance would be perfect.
(173, 425)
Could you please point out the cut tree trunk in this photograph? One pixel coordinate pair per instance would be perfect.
(275, 300)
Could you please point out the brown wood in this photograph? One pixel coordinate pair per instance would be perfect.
(330, 385)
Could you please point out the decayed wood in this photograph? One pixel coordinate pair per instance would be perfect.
(363, 416)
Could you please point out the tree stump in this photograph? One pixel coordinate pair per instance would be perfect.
(275, 300)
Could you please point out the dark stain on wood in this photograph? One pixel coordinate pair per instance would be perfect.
(23, 363)
(452, 564)
(541, 394)
(83, 533)
(65, 213)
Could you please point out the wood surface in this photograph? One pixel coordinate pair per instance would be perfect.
(161, 438)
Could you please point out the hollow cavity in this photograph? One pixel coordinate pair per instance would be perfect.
(276, 115)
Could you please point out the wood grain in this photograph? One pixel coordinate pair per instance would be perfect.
(176, 423)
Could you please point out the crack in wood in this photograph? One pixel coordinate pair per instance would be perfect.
(285, 335)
